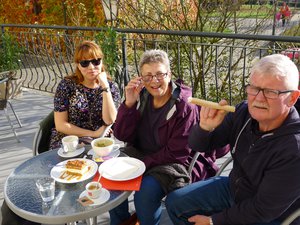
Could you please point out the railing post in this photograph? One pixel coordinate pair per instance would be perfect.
(124, 57)
(2, 33)
(274, 24)
(2, 30)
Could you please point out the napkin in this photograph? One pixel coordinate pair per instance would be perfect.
(127, 185)
(121, 169)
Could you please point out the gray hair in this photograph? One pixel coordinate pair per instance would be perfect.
(154, 56)
(278, 65)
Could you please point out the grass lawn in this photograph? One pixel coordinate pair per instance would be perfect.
(255, 11)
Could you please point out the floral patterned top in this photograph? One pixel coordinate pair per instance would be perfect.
(84, 106)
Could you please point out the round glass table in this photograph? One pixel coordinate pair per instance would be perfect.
(23, 198)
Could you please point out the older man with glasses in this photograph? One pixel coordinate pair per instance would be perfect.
(263, 186)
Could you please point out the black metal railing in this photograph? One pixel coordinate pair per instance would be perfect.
(216, 65)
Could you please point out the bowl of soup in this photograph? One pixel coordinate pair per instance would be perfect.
(103, 146)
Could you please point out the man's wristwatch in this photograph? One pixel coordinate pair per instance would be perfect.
(106, 89)
(210, 221)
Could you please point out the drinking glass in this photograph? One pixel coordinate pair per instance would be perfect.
(46, 187)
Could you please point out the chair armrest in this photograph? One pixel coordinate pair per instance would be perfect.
(223, 166)
(291, 217)
(106, 131)
(192, 163)
(36, 141)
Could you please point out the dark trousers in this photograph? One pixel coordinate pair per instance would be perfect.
(10, 218)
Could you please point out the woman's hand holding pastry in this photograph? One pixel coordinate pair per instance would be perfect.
(132, 91)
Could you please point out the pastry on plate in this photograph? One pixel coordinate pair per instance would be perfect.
(75, 169)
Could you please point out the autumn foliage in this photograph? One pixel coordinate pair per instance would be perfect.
(52, 12)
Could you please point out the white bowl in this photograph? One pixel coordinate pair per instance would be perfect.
(108, 145)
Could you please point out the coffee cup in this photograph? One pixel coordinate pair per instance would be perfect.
(93, 189)
(103, 146)
(70, 143)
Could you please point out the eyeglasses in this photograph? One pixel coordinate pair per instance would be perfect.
(158, 76)
(268, 93)
(86, 63)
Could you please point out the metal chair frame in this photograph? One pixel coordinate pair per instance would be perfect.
(4, 101)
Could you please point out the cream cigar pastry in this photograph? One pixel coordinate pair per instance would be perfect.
(210, 104)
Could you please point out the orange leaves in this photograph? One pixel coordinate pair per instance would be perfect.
(52, 12)
(15, 11)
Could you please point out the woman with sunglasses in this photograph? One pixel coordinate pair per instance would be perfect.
(84, 104)
(86, 101)
(155, 120)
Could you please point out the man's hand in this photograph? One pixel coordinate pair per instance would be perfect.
(199, 220)
(211, 118)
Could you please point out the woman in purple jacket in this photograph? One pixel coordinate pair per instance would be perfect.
(155, 121)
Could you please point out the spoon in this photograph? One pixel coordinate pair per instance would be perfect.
(100, 175)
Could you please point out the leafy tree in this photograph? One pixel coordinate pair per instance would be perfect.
(17, 11)
(220, 16)
(52, 12)
(72, 12)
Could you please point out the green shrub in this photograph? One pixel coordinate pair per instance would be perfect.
(10, 53)
(108, 41)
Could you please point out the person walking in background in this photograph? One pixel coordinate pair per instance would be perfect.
(85, 102)
(283, 9)
(155, 120)
(263, 186)
(288, 14)
(277, 18)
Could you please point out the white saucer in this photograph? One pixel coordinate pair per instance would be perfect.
(115, 153)
(77, 152)
(104, 196)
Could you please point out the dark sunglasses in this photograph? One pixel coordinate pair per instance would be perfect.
(86, 63)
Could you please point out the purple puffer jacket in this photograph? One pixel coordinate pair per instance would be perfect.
(173, 134)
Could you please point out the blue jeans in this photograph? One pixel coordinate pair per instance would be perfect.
(147, 203)
(204, 198)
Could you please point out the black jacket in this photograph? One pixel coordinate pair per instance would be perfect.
(265, 179)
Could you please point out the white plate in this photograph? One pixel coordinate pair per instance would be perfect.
(122, 168)
(104, 196)
(59, 168)
(77, 152)
(115, 153)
